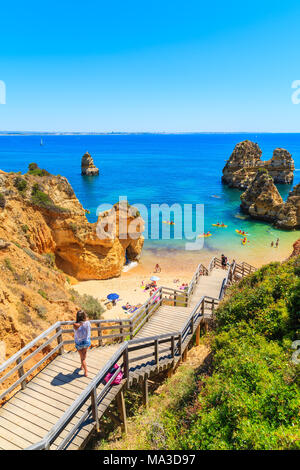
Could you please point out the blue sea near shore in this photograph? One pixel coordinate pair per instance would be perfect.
(156, 169)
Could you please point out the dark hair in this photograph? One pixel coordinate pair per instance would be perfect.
(80, 316)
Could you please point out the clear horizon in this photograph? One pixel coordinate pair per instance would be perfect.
(167, 68)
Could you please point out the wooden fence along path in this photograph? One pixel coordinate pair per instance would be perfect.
(53, 406)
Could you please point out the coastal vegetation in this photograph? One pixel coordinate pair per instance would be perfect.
(247, 396)
(88, 303)
(34, 170)
(2, 201)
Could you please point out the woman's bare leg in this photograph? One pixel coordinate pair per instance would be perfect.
(83, 361)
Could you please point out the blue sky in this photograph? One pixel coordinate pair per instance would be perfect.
(170, 66)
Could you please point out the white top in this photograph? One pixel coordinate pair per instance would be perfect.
(83, 333)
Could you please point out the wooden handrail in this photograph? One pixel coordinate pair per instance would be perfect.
(126, 347)
(124, 328)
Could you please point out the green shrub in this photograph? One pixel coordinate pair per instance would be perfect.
(9, 265)
(41, 311)
(43, 294)
(88, 303)
(25, 228)
(50, 259)
(41, 199)
(34, 170)
(251, 400)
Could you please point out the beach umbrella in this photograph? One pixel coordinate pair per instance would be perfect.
(154, 278)
(113, 296)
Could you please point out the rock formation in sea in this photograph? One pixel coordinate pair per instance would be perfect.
(87, 165)
(289, 215)
(42, 214)
(245, 161)
(261, 200)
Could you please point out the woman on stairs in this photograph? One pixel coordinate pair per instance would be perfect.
(82, 335)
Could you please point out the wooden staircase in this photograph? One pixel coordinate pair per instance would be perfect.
(54, 406)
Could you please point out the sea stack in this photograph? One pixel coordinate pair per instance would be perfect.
(261, 200)
(245, 160)
(87, 166)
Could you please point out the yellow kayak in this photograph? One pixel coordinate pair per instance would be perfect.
(219, 225)
(167, 222)
(240, 232)
(244, 241)
(205, 235)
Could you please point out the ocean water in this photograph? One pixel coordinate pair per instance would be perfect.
(156, 169)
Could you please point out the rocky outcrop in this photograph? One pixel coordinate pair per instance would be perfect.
(262, 200)
(43, 214)
(296, 249)
(245, 160)
(87, 166)
(289, 215)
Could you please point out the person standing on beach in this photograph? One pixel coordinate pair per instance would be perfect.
(277, 242)
(272, 244)
(82, 335)
(223, 261)
(157, 268)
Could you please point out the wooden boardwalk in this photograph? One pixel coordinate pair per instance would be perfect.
(159, 343)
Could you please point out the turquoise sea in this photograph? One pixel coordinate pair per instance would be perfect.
(156, 169)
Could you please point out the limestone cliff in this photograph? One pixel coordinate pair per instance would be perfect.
(261, 200)
(44, 234)
(42, 213)
(296, 249)
(245, 160)
(289, 215)
(87, 165)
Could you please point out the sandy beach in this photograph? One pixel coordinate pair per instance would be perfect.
(175, 265)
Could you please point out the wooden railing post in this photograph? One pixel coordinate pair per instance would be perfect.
(122, 411)
(172, 347)
(60, 341)
(131, 330)
(198, 335)
(175, 299)
(147, 312)
(121, 331)
(100, 341)
(180, 345)
(126, 364)
(21, 373)
(156, 351)
(94, 408)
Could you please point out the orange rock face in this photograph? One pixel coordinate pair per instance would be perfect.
(245, 160)
(46, 217)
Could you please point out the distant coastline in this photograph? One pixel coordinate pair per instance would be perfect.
(41, 133)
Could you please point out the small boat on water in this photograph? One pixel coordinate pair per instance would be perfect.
(41, 143)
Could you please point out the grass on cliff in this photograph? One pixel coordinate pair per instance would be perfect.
(250, 399)
(34, 170)
(88, 303)
(41, 199)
